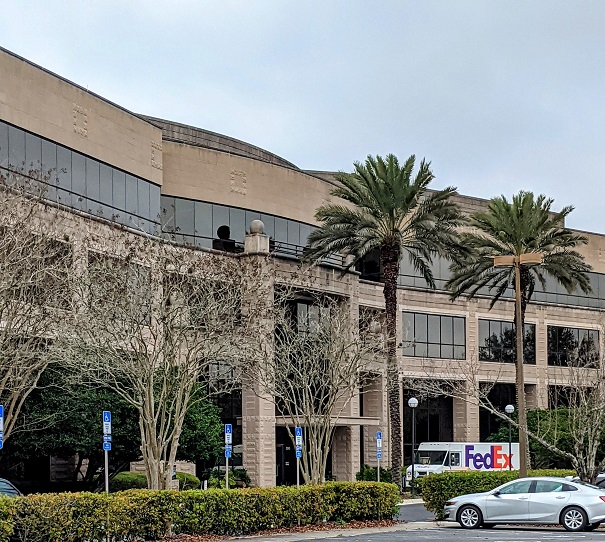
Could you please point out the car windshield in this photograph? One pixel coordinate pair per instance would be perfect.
(432, 457)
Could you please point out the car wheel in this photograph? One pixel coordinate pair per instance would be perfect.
(592, 526)
(470, 517)
(574, 519)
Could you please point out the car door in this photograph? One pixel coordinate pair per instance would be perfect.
(510, 503)
(547, 500)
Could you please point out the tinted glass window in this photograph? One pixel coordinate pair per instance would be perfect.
(572, 346)
(546, 486)
(516, 487)
(433, 336)
(498, 342)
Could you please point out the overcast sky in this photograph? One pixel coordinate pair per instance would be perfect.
(499, 95)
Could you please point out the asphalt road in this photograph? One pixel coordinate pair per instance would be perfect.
(425, 532)
(415, 512)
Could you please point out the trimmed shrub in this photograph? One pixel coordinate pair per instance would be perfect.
(134, 480)
(7, 512)
(369, 474)
(124, 481)
(437, 489)
(187, 481)
(144, 514)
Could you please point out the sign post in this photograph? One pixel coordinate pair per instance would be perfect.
(106, 444)
(1, 426)
(228, 448)
(299, 438)
(378, 453)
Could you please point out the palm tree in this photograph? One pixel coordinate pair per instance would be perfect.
(516, 244)
(388, 210)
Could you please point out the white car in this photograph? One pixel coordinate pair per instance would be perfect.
(575, 505)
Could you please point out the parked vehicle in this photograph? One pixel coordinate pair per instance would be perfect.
(6, 488)
(577, 506)
(438, 457)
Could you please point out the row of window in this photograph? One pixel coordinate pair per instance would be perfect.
(444, 337)
(65, 176)
(73, 179)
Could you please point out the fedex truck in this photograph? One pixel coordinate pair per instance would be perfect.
(437, 457)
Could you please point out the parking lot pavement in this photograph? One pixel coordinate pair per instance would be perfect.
(421, 531)
(414, 512)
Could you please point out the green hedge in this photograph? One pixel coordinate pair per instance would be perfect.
(134, 480)
(437, 489)
(135, 514)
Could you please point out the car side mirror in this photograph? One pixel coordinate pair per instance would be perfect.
(496, 493)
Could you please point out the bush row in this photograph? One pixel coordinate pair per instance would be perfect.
(134, 480)
(136, 514)
(437, 489)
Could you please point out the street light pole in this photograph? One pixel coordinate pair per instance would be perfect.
(413, 403)
(509, 409)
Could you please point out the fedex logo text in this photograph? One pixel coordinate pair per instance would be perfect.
(495, 458)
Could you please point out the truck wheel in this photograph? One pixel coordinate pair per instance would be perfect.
(470, 517)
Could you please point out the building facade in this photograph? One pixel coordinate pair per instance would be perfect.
(202, 190)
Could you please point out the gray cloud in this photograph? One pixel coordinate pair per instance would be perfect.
(500, 96)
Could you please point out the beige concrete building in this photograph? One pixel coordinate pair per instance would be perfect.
(168, 180)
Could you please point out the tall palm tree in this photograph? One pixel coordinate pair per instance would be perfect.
(389, 210)
(516, 244)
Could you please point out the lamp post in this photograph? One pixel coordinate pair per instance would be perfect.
(516, 261)
(413, 403)
(509, 409)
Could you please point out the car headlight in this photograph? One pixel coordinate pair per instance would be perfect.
(450, 503)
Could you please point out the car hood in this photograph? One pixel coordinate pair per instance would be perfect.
(471, 496)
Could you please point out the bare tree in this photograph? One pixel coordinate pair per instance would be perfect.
(581, 383)
(35, 266)
(311, 370)
(154, 322)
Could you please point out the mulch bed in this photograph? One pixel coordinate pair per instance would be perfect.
(286, 530)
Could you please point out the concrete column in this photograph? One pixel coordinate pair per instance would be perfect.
(258, 410)
(345, 453)
(466, 421)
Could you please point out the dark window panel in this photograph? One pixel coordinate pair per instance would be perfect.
(132, 205)
(154, 205)
(63, 175)
(459, 352)
(434, 350)
(237, 223)
(447, 330)
(49, 169)
(408, 327)
(185, 218)
(93, 186)
(78, 181)
(434, 328)
(33, 154)
(420, 327)
(447, 351)
(281, 230)
(3, 145)
(16, 149)
(119, 195)
(459, 331)
(108, 207)
(220, 217)
(305, 231)
(203, 224)
(168, 218)
(293, 233)
(269, 222)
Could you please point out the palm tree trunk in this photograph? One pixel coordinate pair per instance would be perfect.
(520, 380)
(390, 262)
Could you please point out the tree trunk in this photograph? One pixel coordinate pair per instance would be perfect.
(520, 380)
(390, 262)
